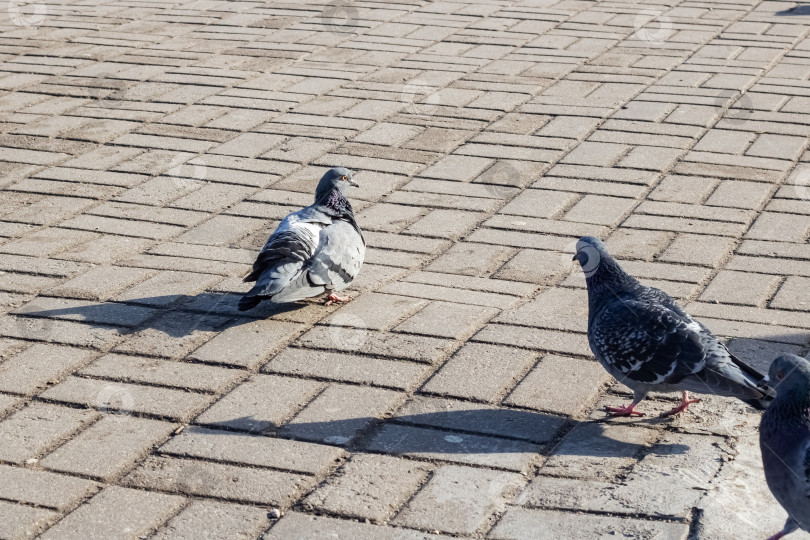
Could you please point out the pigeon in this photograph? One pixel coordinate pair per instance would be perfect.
(316, 250)
(784, 438)
(647, 342)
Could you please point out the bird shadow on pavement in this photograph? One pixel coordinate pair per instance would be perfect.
(474, 431)
(796, 10)
(175, 315)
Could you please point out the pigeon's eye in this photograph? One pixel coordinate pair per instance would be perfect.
(343, 178)
(780, 375)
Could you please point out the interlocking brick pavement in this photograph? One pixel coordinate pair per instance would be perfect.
(148, 148)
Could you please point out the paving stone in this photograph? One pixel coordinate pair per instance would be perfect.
(245, 449)
(566, 386)
(433, 444)
(459, 499)
(126, 397)
(43, 488)
(36, 367)
(471, 259)
(537, 524)
(375, 311)
(684, 189)
(211, 479)
(247, 407)
(481, 372)
(31, 431)
(247, 345)
(444, 319)
(173, 334)
(698, 249)
(298, 526)
(369, 486)
(117, 512)
(212, 519)
(339, 413)
(744, 288)
(137, 369)
(598, 451)
(346, 367)
(18, 521)
(396, 346)
(479, 418)
(109, 447)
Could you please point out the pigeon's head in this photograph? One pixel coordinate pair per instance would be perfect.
(339, 178)
(591, 252)
(789, 374)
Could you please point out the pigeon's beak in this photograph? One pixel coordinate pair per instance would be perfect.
(578, 256)
(353, 183)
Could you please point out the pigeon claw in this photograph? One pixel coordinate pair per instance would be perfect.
(629, 410)
(685, 402)
(335, 299)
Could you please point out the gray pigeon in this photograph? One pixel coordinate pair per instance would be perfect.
(784, 437)
(315, 250)
(646, 341)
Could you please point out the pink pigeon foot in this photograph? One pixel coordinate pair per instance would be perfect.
(335, 299)
(629, 410)
(685, 402)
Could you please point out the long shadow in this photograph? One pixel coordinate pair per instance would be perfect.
(175, 315)
(475, 431)
(797, 10)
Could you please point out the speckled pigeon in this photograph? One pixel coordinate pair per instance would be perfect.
(784, 437)
(646, 341)
(316, 250)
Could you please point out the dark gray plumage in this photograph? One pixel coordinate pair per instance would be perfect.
(646, 341)
(317, 249)
(784, 437)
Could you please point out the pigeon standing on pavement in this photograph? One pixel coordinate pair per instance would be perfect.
(784, 437)
(316, 250)
(646, 341)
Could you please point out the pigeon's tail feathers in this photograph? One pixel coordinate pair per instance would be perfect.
(249, 302)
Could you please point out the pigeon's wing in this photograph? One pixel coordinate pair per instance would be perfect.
(295, 239)
(283, 260)
(647, 342)
(339, 256)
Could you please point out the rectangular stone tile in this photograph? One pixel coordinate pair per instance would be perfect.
(108, 313)
(369, 486)
(481, 372)
(340, 412)
(31, 431)
(173, 334)
(101, 283)
(441, 445)
(459, 500)
(108, 447)
(536, 339)
(43, 488)
(249, 344)
(598, 451)
(536, 524)
(117, 513)
(204, 478)
(346, 367)
(387, 344)
(248, 408)
(445, 319)
(479, 418)
(167, 287)
(18, 521)
(298, 526)
(36, 367)
(215, 520)
(375, 311)
(125, 397)
(136, 369)
(471, 259)
(453, 294)
(566, 386)
(729, 287)
(245, 449)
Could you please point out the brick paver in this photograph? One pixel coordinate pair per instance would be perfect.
(147, 150)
